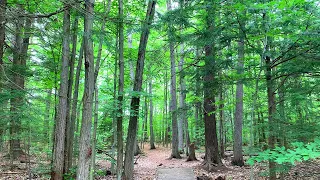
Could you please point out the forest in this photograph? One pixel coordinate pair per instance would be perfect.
(122, 89)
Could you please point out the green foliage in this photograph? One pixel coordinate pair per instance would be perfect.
(299, 152)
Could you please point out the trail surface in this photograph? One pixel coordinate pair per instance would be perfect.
(175, 174)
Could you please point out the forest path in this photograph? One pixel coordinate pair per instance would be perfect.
(175, 174)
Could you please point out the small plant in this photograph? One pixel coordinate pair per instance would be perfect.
(300, 152)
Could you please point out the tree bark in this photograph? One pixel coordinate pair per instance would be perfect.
(18, 85)
(131, 137)
(85, 150)
(183, 106)
(221, 113)
(68, 144)
(120, 93)
(152, 146)
(173, 104)
(211, 140)
(238, 122)
(58, 160)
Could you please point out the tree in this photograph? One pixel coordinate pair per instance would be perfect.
(152, 146)
(173, 91)
(59, 140)
(131, 137)
(85, 150)
(120, 94)
(238, 122)
(211, 141)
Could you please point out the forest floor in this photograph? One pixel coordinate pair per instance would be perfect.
(150, 161)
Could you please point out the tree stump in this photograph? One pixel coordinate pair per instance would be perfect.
(192, 153)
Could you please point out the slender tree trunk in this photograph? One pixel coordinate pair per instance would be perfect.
(69, 133)
(75, 108)
(183, 106)
(131, 137)
(152, 146)
(166, 138)
(114, 119)
(221, 113)
(3, 5)
(238, 122)
(94, 134)
(58, 160)
(120, 93)
(211, 140)
(173, 105)
(17, 88)
(85, 150)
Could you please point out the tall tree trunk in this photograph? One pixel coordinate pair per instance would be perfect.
(120, 93)
(270, 94)
(166, 134)
(221, 113)
(173, 92)
(152, 146)
(85, 150)
(58, 160)
(114, 119)
(96, 94)
(183, 107)
(238, 122)
(94, 134)
(131, 137)
(75, 117)
(3, 5)
(68, 144)
(211, 140)
(17, 89)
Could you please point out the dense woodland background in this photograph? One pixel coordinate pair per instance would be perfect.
(80, 77)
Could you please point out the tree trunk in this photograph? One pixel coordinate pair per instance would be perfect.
(173, 105)
(238, 122)
(166, 134)
(120, 94)
(75, 108)
(17, 88)
(85, 150)
(192, 155)
(211, 140)
(58, 160)
(94, 134)
(183, 107)
(69, 133)
(221, 113)
(152, 146)
(3, 5)
(131, 137)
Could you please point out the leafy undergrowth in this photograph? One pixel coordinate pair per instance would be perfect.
(151, 160)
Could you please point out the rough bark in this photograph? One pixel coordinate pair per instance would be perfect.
(3, 5)
(85, 150)
(212, 157)
(238, 121)
(58, 152)
(173, 91)
(68, 144)
(152, 146)
(120, 93)
(75, 117)
(183, 95)
(18, 85)
(131, 137)
(192, 154)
